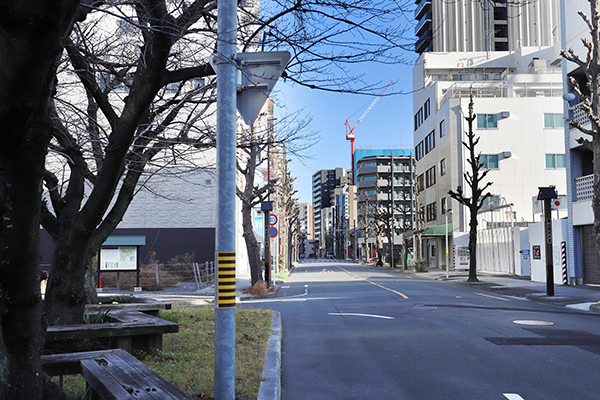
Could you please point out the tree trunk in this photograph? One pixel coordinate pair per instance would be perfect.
(473, 247)
(33, 34)
(66, 293)
(21, 170)
(252, 245)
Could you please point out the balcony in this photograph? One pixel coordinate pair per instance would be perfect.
(580, 116)
(423, 24)
(383, 183)
(424, 42)
(584, 187)
(422, 8)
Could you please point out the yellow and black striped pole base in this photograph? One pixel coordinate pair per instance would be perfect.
(226, 279)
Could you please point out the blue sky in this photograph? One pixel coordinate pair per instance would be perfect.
(388, 124)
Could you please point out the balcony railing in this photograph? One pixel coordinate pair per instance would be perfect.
(584, 187)
(580, 116)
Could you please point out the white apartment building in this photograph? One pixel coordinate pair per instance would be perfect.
(517, 99)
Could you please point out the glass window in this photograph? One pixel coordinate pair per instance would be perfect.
(442, 128)
(487, 121)
(555, 161)
(488, 161)
(443, 167)
(553, 120)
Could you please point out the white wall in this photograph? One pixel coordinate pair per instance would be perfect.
(537, 237)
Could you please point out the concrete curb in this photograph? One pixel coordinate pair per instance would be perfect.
(270, 387)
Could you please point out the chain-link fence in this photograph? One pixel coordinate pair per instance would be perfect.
(159, 276)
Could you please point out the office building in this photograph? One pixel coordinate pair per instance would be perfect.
(485, 25)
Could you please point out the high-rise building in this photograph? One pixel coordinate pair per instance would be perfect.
(387, 189)
(324, 183)
(485, 25)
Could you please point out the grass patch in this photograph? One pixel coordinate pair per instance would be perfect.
(187, 358)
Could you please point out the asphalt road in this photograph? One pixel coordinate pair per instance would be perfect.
(357, 332)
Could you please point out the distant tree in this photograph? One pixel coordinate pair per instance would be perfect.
(380, 219)
(474, 179)
(365, 225)
(419, 214)
(589, 97)
(405, 208)
(257, 146)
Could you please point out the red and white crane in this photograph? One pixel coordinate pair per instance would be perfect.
(350, 131)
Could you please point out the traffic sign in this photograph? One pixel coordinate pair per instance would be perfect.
(258, 73)
(272, 219)
(259, 225)
(273, 232)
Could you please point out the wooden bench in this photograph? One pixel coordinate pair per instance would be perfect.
(132, 303)
(113, 374)
(131, 330)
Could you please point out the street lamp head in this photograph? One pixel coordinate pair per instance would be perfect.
(449, 211)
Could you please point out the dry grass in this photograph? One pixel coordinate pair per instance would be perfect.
(187, 358)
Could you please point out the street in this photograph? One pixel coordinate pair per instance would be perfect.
(356, 332)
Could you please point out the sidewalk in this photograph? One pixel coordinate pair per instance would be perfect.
(583, 297)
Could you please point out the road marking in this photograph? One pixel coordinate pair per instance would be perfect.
(517, 298)
(581, 306)
(376, 284)
(285, 287)
(361, 315)
(492, 297)
(512, 396)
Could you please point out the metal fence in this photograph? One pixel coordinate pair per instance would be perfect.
(159, 276)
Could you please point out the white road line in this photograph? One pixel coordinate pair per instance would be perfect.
(492, 297)
(512, 396)
(517, 298)
(361, 315)
(285, 287)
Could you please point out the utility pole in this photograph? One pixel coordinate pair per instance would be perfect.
(226, 172)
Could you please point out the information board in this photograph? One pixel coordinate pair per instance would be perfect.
(118, 259)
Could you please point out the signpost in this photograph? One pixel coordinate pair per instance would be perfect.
(547, 194)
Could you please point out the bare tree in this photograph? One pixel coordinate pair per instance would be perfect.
(292, 132)
(589, 96)
(33, 34)
(140, 104)
(474, 179)
(365, 225)
(419, 220)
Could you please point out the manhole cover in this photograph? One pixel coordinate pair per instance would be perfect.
(533, 322)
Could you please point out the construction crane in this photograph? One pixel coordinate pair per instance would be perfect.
(350, 131)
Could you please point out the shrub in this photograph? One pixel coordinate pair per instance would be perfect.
(420, 265)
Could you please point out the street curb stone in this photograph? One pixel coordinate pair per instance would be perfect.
(270, 387)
